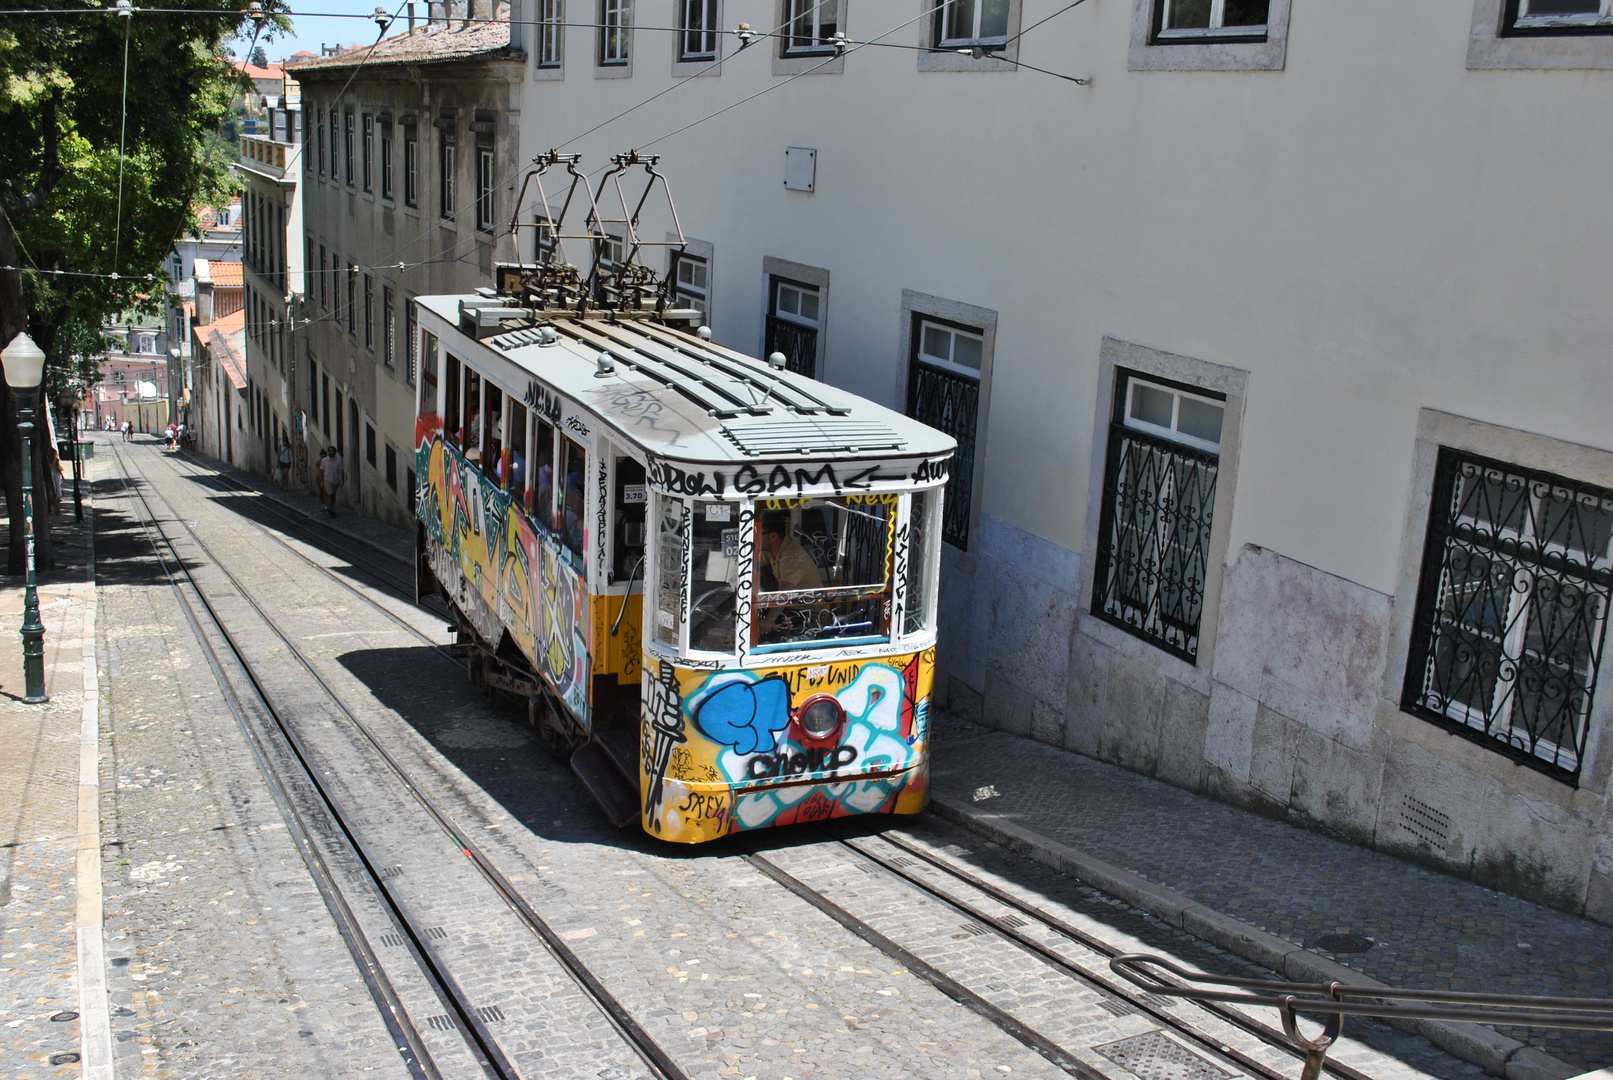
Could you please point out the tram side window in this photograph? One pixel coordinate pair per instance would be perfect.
(450, 409)
(470, 419)
(715, 577)
(629, 515)
(492, 436)
(921, 555)
(669, 560)
(823, 570)
(512, 467)
(428, 376)
(571, 521)
(543, 472)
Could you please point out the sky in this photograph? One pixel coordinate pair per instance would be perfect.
(315, 28)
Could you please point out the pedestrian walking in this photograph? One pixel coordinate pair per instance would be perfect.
(128, 431)
(168, 437)
(282, 466)
(331, 468)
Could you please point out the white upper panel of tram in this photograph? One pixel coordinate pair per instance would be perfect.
(676, 395)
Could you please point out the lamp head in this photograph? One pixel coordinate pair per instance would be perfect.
(24, 363)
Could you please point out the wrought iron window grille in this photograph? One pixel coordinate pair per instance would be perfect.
(1511, 610)
(949, 402)
(798, 343)
(1154, 538)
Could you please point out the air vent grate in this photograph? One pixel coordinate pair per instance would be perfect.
(1424, 822)
(1152, 1056)
(769, 437)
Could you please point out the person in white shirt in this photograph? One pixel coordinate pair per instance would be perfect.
(332, 471)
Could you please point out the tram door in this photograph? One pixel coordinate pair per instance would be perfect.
(619, 689)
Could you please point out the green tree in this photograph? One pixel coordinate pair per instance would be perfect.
(65, 211)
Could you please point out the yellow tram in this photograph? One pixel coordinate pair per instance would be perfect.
(713, 580)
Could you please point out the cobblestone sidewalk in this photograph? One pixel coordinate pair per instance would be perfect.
(1416, 927)
(39, 810)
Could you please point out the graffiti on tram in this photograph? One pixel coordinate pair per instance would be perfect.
(720, 754)
(511, 570)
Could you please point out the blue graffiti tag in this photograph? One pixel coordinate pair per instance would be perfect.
(746, 715)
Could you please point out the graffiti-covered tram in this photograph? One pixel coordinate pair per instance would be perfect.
(712, 580)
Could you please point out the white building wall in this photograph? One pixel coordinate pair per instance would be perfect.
(1372, 234)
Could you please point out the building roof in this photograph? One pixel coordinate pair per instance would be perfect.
(687, 399)
(226, 343)
(435, 43)
(224, 275)
(253, 71)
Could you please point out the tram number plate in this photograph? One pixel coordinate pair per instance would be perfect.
(633, 494)
(730, 543)
(719, 512)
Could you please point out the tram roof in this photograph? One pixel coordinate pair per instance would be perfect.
(687, 399)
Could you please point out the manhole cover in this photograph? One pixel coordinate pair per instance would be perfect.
(64, 1059)
(1343, 943)
(64, 1017)
(1152, 1056)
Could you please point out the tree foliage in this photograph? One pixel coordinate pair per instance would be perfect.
(68, 123)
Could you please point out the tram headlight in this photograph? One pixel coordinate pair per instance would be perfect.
(820, 718)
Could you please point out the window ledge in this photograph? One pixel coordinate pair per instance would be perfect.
(1226, 52)
(809, 63)
(621, 70)
(947, 58)
(1488, 48)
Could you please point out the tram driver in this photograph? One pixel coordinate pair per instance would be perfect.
(783, 566)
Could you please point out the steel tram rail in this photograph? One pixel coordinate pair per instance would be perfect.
(406, 1036)
(1112, 987)
(639, 1040)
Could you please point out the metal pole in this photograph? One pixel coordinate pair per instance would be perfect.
(33, 631)
(78, 469)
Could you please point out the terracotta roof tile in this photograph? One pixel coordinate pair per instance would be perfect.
(438, 43)
(226, 275)
(226, 342)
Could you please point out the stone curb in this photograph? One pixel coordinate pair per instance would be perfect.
(1495, 1053)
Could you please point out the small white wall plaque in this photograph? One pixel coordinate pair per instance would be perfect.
(800, 168)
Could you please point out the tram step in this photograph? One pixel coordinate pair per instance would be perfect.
(622, 746)
(603, 778)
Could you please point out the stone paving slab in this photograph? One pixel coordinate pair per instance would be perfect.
(1427, 929)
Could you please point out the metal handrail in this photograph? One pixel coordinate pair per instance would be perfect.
(1336, 1000)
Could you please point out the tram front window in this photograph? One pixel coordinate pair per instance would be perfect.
(823, 570)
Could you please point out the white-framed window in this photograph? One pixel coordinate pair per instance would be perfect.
(323, 271)
(615, 21)
(551, 32)
(697, 30)
(543, 237)
(1174, 414)
(972, 22)
(951, 347)
(369, 152)
(348, 148)
(388, 191)
(810, 26)
(1161, 468)
(1511, 612)
(691, 283)
(797, 303)
(1563, 15)
(448, 163)
(485, 182)
(411, 167)
(1199, 20)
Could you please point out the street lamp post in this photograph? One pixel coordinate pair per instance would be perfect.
(24, 364)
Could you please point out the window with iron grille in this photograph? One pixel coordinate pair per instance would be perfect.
(352, 300)
(411, 326)
(307, 140)
(1160, 470)
(697, 31)
(448, 162)
(613, 31)
(411, 167)
(324, 280)
(347, 148)
(369, 312)
(943, 391)
(551, 25)
(794, 319)
(1511, 609)
(386, 159)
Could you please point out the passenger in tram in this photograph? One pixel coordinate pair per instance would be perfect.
(783, 556)
(574, 512)
(517, 478)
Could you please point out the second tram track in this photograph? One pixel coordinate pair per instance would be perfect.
(632, 1034)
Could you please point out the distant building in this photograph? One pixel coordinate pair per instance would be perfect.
(219, 399)
(217, 240)
(134, 377)
(408, 189)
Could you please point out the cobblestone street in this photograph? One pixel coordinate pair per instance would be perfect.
(224, 955)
